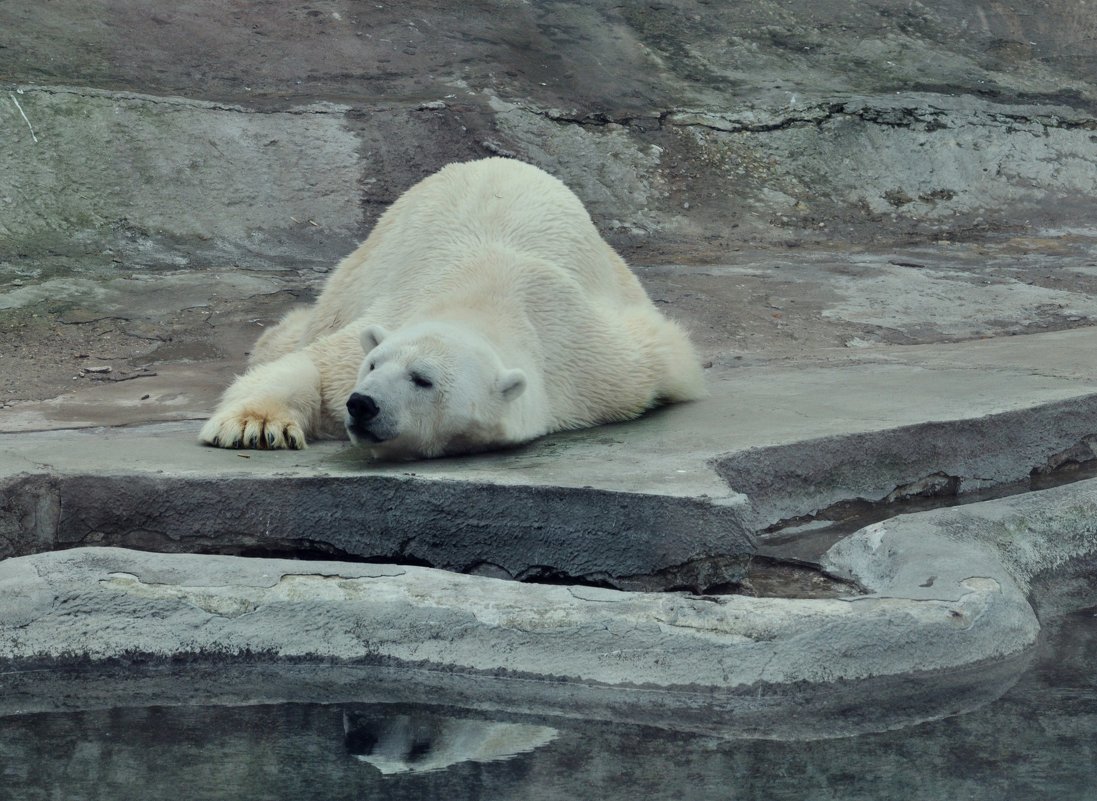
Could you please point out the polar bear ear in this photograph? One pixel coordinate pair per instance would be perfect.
(512, 383)
(372, 336)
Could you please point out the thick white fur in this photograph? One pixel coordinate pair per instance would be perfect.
(489, 278)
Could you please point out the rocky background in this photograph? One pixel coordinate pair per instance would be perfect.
(274, 133)
(173, 176)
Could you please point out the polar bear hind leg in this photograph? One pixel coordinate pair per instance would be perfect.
(666, 349)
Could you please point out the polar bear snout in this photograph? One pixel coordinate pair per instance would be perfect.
(361, 408)
(362, 414)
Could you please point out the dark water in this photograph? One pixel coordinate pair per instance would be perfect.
(1038, 741)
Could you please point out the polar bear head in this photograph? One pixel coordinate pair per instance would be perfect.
(429, 389)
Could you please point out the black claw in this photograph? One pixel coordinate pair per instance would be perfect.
(270, 439)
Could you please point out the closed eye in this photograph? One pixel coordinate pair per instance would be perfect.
(421, 381)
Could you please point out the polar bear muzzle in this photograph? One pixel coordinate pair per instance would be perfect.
(361, 411)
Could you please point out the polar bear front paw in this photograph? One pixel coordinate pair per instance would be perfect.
(258, 427)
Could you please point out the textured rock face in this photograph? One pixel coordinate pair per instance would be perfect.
(228, 156)
(278, 131)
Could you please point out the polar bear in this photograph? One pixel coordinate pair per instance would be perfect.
(422, 741)
(484, 310)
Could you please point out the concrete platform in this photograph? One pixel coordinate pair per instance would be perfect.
(672, 500)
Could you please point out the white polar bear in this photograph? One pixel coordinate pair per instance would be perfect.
(484, 310)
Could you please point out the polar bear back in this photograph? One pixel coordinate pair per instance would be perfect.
(435, 229)
(507, 204)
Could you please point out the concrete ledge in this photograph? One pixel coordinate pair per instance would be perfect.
(941, 612)
(944, 623)
(830, 477)
(551, 512)
(945, 626)
(118, 602)
(521, 532)
(673, 500)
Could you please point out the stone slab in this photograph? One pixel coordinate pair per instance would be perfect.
(944, 605)
(678, 494)
(943, 623)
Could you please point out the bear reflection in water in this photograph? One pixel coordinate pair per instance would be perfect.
(484, 310)
(416, 743)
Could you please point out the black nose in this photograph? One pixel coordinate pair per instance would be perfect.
(362, 408)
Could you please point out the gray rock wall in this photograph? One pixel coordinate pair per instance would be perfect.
(274, 134)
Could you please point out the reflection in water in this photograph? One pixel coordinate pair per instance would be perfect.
(420, 742)
(1037, 742)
